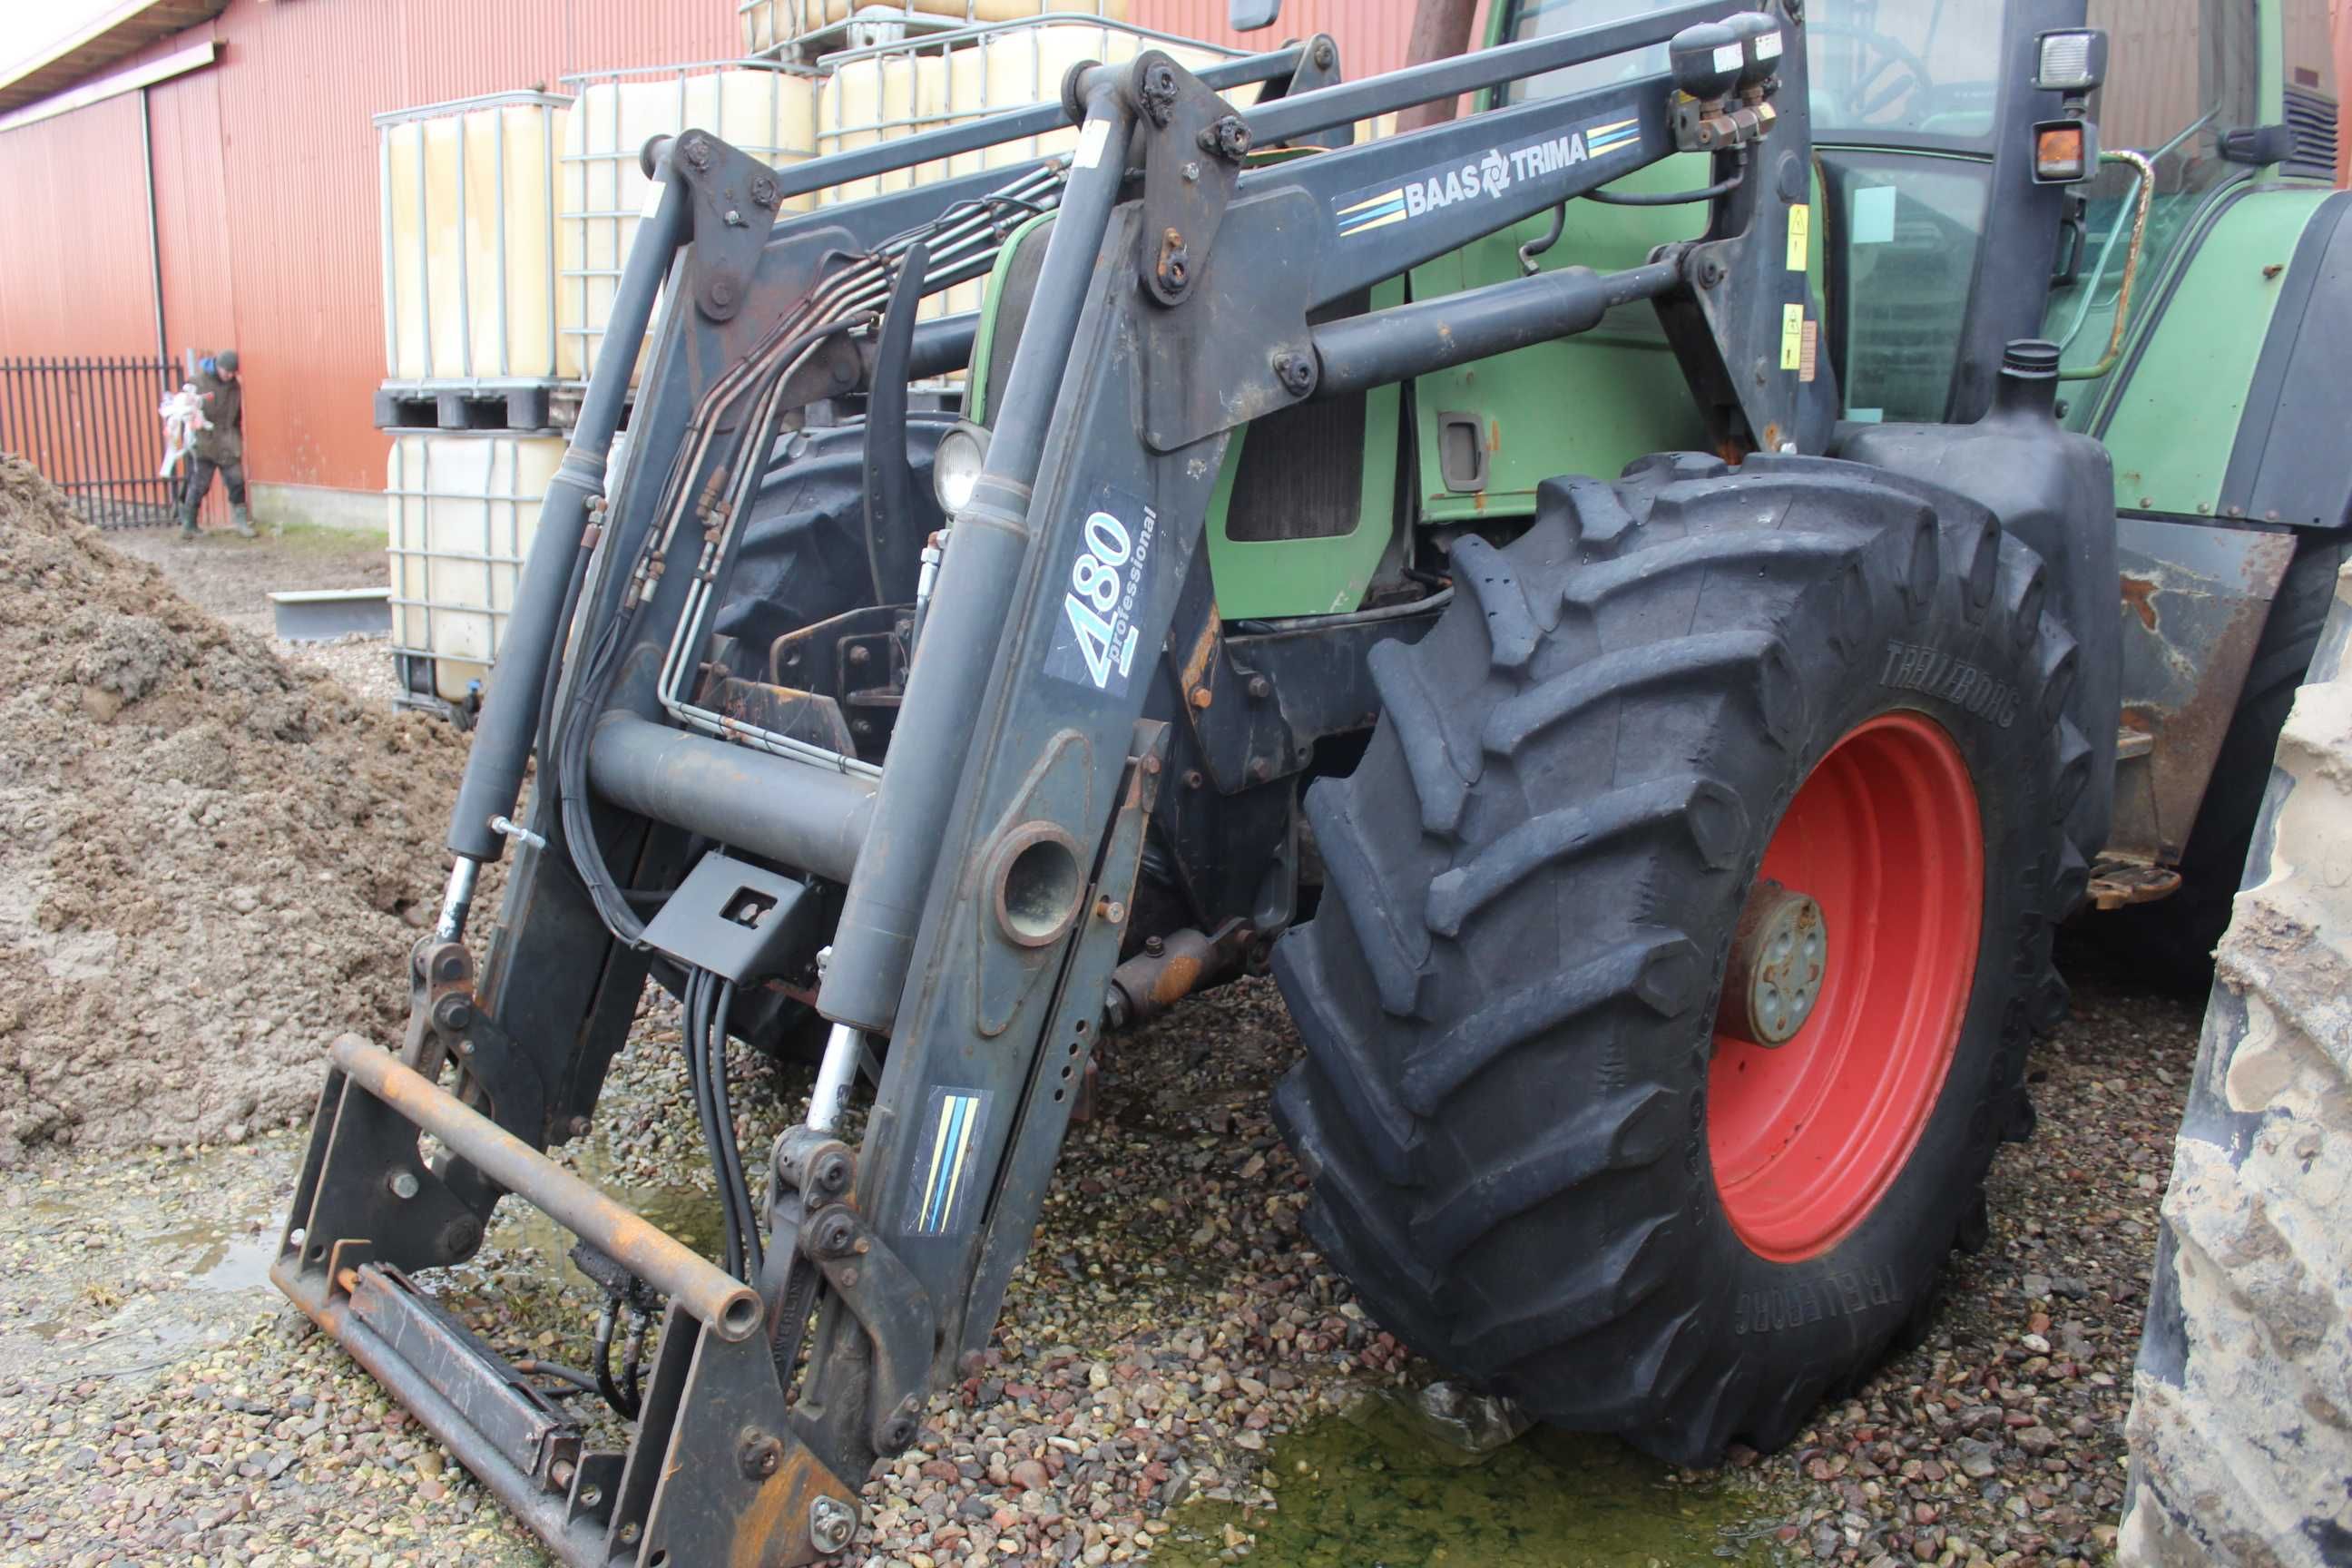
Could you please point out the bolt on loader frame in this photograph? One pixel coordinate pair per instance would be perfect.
(975, 886)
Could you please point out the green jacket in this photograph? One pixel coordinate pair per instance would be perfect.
(224, 442)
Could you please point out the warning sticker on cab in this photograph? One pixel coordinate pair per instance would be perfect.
(1106, 595)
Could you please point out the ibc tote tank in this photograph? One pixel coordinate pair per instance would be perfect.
(772, 24)
(470, 247)
(461, 508)
(769, 111)
(889, 90)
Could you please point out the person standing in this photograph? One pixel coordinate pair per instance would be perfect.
(220, 445)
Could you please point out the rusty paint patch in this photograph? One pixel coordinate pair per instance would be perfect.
(2139, 598)
(772, 1532)
(1175, 982)
(1201, 658)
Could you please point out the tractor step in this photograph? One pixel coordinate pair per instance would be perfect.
(2116, 882)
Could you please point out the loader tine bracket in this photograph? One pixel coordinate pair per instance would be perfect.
(890, 1304)
(734, 206)
(1195, 144)
(447, 1021)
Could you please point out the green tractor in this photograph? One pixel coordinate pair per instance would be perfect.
(1661, 870)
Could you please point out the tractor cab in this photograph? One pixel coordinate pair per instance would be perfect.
(1944, 227)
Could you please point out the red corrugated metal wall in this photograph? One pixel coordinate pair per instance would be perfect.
(1371, 34)
(73, 245)
(267, 203)
(266, 171)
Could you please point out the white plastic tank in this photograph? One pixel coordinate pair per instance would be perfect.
(890, 91)
(777, 24)
(769, 111)
(472, 247)
(460, 510)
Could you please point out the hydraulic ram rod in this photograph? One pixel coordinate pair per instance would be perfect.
(502, 741)
(794, 812)
(1012, 125)
(1406, 341)
(723, 1304)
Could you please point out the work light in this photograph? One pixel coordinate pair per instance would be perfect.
(2075, 62)
(955, 467)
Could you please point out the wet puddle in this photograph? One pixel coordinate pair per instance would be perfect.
(688, 1214)
(1372, 1489)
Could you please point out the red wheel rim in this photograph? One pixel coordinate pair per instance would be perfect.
(1884, 835)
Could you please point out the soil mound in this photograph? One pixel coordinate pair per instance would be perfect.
(210, 861)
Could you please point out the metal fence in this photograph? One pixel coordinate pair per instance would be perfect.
(90, 426)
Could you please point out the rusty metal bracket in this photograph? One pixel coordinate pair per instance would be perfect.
(1173, 967)
(446, 1022)
(2195, 599)
(809, 1169)
(734, 198)
(1193, 146)
(2116, 882)
(1319, 67)
(889, 1303)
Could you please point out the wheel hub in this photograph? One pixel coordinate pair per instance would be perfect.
(1806, 1132)
(1779, 956)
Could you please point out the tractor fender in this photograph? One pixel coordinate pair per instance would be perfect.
(2054, 489)
(2287, 463)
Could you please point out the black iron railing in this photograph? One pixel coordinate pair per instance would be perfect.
(90, 426)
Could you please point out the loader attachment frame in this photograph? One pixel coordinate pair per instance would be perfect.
(986, 870)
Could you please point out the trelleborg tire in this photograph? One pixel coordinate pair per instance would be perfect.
(1537, 1150)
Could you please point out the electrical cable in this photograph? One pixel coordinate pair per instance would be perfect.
(738, 1188)
(622, 1400)
(697, 1070)
(1665, 198)
(1410, 608)
(709, 1000)
(576, 1381)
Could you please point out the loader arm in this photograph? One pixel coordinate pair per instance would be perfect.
(986, 870)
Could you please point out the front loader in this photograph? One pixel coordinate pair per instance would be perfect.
(1661, 875)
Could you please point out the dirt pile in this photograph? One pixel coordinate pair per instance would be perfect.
(210, 861)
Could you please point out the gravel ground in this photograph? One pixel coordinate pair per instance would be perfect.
(234, 578)
(1178, 1375)
(1172, 1328)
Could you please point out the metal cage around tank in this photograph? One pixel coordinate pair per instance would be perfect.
(766, 108)
(437, 234)
(460, 510)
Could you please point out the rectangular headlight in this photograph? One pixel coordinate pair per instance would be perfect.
(2071, 61)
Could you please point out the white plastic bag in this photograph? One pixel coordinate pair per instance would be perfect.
(182, 414)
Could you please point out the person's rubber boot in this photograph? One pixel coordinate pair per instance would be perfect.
(243, 521)
(188, 527)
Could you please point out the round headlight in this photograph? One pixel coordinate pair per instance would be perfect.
(955, 467)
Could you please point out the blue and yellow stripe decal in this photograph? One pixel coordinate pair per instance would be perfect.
(1609, 138)
(1373, 211)
(946, 1159)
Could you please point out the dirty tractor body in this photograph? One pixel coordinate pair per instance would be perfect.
(1660, 871)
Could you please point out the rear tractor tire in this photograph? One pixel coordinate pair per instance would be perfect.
(2241, 1436)
(1685, 928)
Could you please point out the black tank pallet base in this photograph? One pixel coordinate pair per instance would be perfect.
(521, 410)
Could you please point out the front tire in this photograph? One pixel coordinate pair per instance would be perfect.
(1537, 1149)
